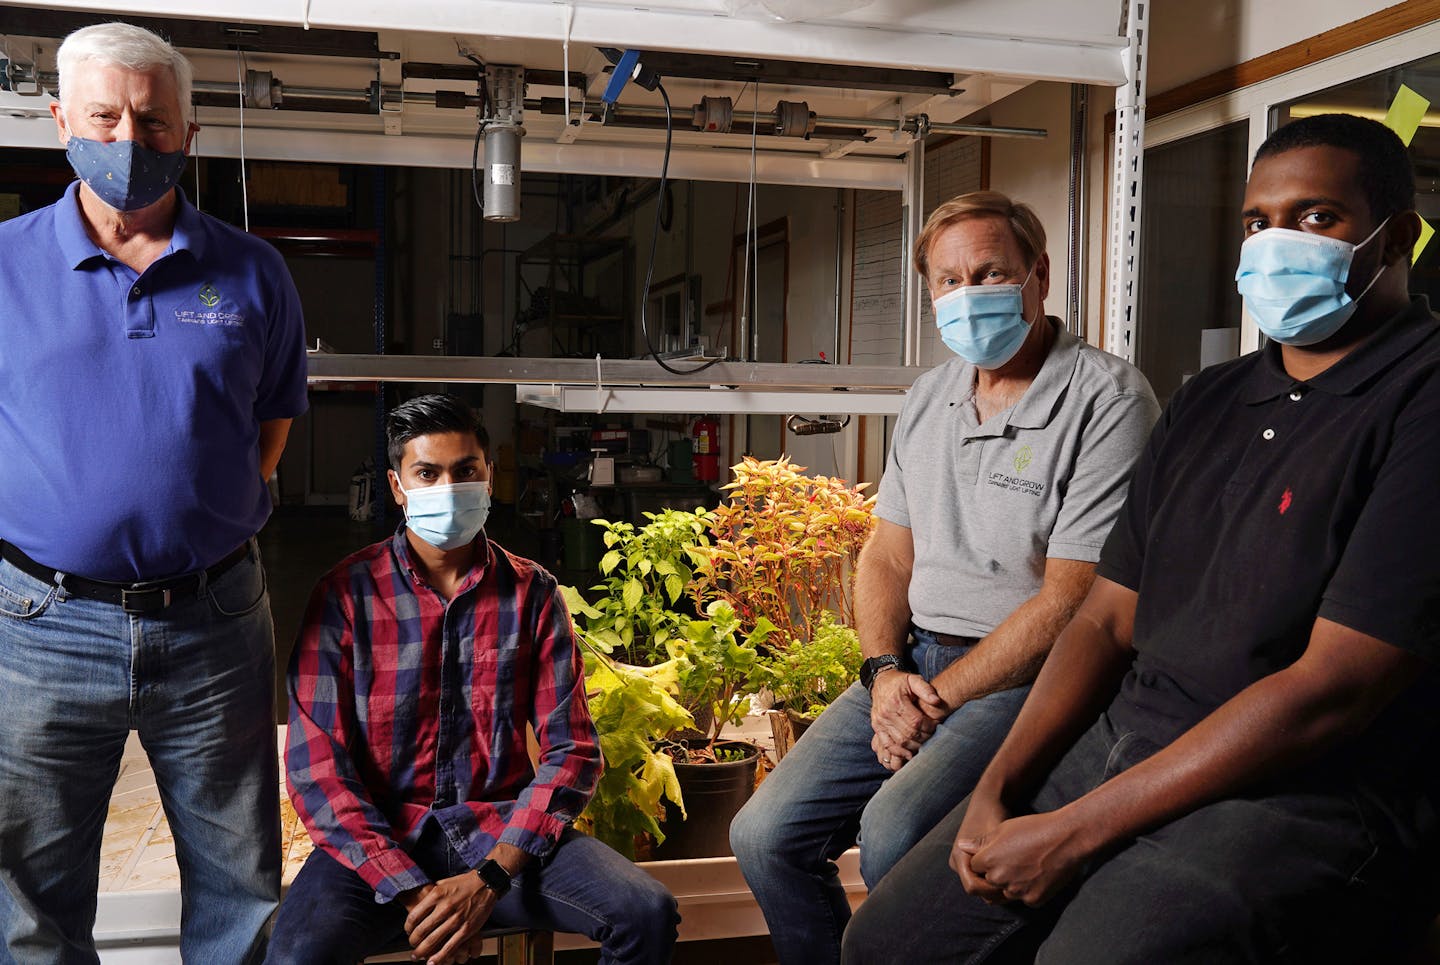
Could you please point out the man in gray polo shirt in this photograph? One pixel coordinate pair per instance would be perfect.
(1005, 473)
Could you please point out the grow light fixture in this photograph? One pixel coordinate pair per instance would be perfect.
(719, 399)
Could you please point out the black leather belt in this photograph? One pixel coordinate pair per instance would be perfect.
(950, 639)
(146, 597)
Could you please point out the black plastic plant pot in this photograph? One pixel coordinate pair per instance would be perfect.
(714, 794)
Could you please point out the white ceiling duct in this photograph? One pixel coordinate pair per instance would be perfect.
(1064, 40)
(794, 11)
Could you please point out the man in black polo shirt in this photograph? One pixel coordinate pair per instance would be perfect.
(1260, 643)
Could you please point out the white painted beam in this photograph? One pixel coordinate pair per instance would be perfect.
(1095, 59)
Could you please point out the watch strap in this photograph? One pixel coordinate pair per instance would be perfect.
(873, 665)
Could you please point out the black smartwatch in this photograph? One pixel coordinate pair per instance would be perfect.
(871, 668)
(496, 878)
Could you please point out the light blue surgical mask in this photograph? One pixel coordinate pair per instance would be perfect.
(126, 175)
(1293, 283)
(447, 517)
(984, 324)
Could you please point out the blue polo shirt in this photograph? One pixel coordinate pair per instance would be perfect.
(130, 405)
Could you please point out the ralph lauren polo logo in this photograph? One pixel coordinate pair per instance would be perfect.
(1285, 499)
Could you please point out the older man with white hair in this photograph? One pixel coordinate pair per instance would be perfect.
(153, 360)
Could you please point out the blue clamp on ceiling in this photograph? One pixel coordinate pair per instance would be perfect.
(624, 70)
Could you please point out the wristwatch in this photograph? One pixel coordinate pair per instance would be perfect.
(496, 878)
(871, 668)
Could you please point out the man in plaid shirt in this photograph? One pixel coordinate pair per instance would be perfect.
(421, 661)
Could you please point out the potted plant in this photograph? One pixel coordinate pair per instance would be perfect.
(654, 674)
(654, 767)
(764, 568)
(806, 676)
(716, 668)
(634, 709)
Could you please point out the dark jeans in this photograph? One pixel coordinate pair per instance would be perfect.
(330, 914)
(196, 681)
(829, 789)
(1300, 875)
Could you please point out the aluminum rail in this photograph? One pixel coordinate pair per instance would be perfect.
(49, 81)
(393, 95)
(910, 124)
(587, 372)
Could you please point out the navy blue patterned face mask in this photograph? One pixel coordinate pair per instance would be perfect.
(126, 175)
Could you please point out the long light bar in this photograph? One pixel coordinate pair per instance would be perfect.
(826, 381)
(717, 399)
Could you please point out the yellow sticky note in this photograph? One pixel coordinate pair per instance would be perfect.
(1426, 232)
(1406, 111)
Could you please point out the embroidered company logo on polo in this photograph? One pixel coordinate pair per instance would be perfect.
(208, 296)
(1015, 483)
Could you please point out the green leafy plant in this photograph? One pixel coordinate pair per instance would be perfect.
(634, 708)
(716, 668)
(646, 570)
(806, 677)
(640, 712)
(698, 613)
(785, 547)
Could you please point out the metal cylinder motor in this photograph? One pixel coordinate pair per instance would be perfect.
(502, 172)
(505, 88)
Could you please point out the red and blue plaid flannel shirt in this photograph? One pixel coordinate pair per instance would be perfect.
(405, 709)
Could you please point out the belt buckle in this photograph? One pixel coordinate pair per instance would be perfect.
(142, 599)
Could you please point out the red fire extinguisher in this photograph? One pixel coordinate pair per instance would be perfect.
(706, 460)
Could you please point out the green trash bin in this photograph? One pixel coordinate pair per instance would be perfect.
(583, 542)
(682, 467)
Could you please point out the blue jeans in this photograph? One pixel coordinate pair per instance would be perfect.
(330, 913)
(830, 788)
(196, 680)
(1297, 872)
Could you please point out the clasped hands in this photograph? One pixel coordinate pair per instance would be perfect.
(999, 858)
(904, 712)
(444, 919)
(1029, 859)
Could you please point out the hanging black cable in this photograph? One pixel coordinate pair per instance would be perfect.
(479, 133)
(654, 238)
(474, 168)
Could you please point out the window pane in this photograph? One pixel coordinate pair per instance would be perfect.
(1190, 244)
(1371, 96)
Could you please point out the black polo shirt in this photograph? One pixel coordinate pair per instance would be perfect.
(1261, 503)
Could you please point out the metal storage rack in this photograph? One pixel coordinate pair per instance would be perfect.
(585, 296)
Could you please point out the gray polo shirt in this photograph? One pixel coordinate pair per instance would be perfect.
(986, 504)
